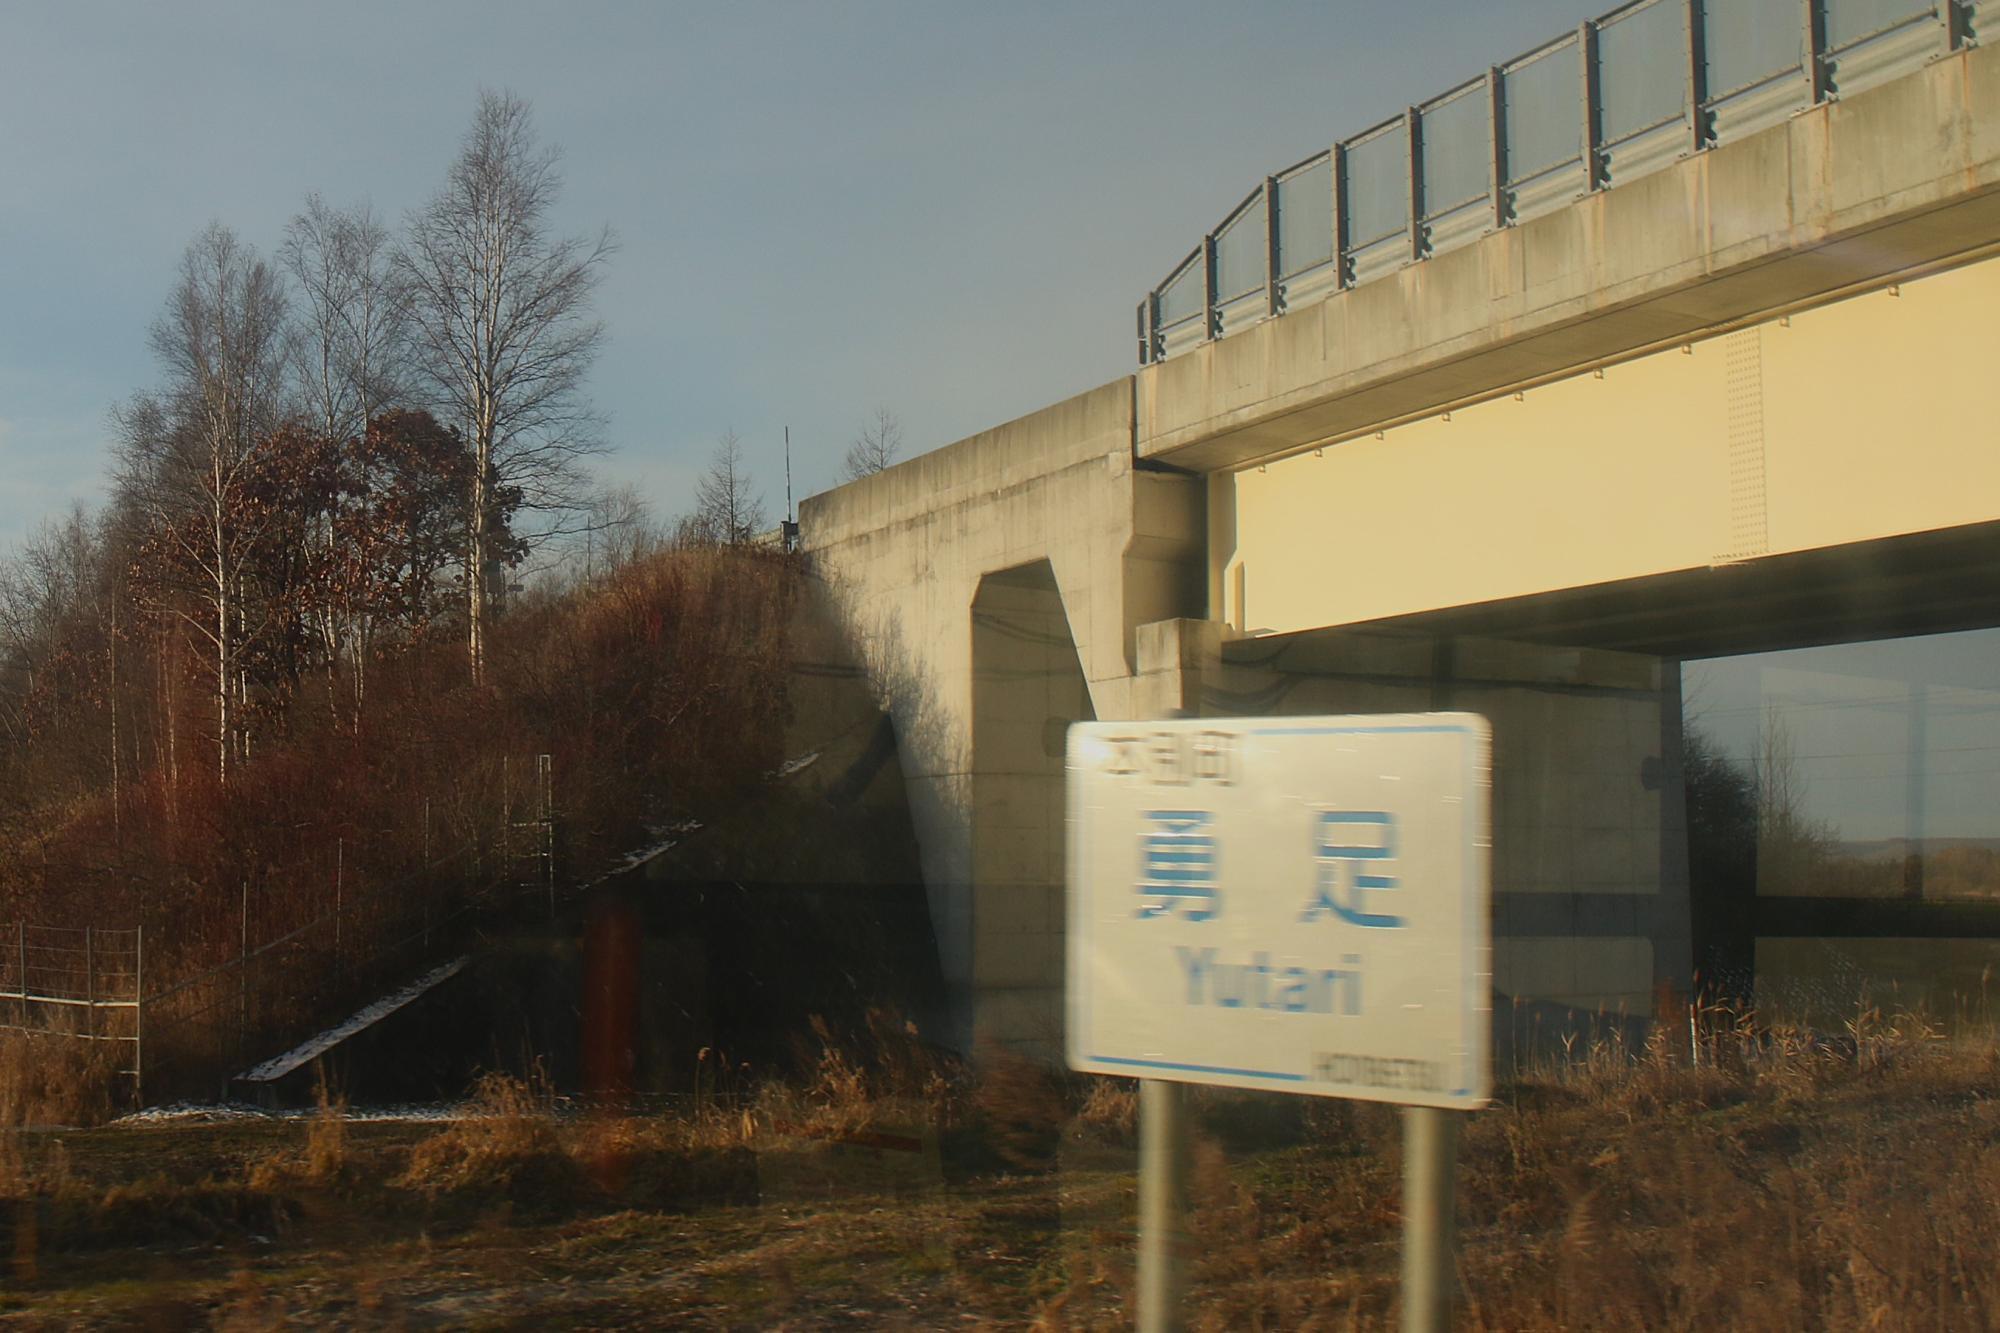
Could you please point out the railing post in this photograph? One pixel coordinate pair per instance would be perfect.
(1413, 137)
(1592, 115)
(1496, 120)
(1336, 161)
(1813, 15)
(1274, 301)
(1211, 321)
(1697, 76)
(1956, 29)
(1144, 334)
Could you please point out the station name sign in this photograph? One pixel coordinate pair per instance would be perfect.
(1297, 904)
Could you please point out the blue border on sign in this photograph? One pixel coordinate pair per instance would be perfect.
(1198, 1069)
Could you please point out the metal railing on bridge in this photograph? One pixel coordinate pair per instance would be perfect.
(1621, 96)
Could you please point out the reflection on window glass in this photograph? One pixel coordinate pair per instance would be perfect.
(1876, 765)
(1853, 791)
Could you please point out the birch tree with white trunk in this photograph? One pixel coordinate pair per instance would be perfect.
(347, 364)
(190, 451)
(502, 333)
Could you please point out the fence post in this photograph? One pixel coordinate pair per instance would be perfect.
(545, 766)
(89, 986)
(429, 887)
(139, 1020)
(21, 977)
(339, 867)
(243, 988)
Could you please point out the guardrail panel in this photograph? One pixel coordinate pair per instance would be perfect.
(1239, 252)
(1376, 191)
(1640, 80)
(1851, 21)
(1305, 218)
(1747, 42)
(1543, 97)
(1457, 149)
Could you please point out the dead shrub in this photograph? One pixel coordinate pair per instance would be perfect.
(1110, 1108)
(324, 1158)
(504, 1145)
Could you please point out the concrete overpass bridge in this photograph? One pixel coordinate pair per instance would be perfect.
(1674, 338)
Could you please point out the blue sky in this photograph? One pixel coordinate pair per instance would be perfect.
(947, 210)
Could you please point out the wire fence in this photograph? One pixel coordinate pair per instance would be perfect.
(80, 982)
(288, 979)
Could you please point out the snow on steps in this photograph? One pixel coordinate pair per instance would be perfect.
(313, 1047)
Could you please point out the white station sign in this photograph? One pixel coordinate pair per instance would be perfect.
(1298, 904)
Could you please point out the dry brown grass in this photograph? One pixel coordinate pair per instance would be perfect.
(321, 1161)
(506, 1141)
(1743, 1178)
(55, 1080)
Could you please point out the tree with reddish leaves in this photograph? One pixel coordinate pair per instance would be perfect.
(399, 525)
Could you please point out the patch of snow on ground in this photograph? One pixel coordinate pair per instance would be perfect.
(193, 1113)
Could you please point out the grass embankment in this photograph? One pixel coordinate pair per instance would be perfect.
(1780, 1186)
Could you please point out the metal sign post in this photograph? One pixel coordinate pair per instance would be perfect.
(1164, 1161)
(1430, 1219)
(1295, 904)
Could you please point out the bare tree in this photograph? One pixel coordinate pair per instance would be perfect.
(727, 509)
(346, 362)
(349, 323)
(875, 447)
(191, 452)
(622, 529)
(502, 332)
